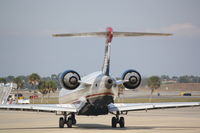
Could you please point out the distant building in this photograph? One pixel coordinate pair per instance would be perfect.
(169, 82)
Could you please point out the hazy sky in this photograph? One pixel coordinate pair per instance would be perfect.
(26, 44)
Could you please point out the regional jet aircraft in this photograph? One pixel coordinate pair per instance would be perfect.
(94, 94)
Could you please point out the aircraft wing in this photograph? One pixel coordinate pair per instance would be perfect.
(41, 107)
(124, 107)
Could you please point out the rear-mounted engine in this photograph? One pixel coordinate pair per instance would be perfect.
(133, 79)
(70, 79)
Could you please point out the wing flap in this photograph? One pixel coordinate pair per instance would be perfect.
(41, 107)
(147, 106)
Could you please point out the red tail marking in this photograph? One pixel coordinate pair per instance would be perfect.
(109, 34)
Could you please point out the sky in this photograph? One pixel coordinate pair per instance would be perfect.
(27, 45)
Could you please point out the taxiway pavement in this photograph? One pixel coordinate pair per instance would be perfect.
(181, 120)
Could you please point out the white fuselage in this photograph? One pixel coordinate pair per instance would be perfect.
(92, 86)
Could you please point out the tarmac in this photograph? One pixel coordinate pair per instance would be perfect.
(181, 120)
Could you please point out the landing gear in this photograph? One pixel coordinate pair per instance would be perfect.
(69, 121)
(121, 122)
(72, 117)
(116, 120)
(61, 122)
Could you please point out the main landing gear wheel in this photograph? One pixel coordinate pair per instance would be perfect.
(73, 119)
(69, 121)
(61, 122)
(121, 122)
(116, 120)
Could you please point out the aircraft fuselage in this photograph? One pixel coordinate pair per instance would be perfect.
(97, 91)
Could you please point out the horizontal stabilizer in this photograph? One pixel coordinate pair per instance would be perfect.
(89, 34)
(130, 34)
(115, 34)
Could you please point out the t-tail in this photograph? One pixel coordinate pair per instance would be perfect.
(106, 63)
(109, 34)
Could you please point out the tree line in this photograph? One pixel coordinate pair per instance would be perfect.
(181, 79)
(44, 85)
(32, 81)
(165, 79)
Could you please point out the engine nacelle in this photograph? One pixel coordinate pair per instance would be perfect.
(133, 79)
(70, 79)
(108, 82)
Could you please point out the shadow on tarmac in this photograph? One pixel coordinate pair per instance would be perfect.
(105, 127)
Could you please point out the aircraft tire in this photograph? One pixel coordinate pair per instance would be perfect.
(73, 119)
(121, 122)
(61, 122)
(74, 122)
(69, 123)
(114, 122)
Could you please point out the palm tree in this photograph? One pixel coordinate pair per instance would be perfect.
(52, 86)
(153, 83)
(55, 78)
(20, 84)
(34, 80)
(46, 87)
(42, 89)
